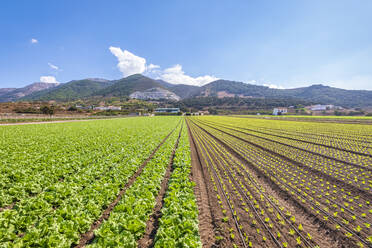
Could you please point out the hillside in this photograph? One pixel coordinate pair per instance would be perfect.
(325, 94)
(8, 95)
(69, 91)
(315, 93)
(128, 85)
(86, 88)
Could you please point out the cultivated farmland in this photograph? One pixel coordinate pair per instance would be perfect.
(96, 184)
(207, 181)
(277, 183)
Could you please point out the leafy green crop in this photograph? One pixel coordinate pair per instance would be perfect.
(179, 221)
(62, 176)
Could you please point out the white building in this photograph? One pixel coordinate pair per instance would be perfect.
(107, 108)
(280, 111)
(167, 110)
(320, 107)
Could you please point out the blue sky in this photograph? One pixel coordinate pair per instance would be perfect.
(279, 43)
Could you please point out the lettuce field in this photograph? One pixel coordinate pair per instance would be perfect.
(173, 181)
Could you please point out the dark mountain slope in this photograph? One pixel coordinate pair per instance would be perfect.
(315, 93)
(16, 94)
(128, 85)
(69, 91)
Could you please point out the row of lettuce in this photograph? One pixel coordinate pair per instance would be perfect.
(58, 178)
(179, 222)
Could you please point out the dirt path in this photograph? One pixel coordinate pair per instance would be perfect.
(207, 221)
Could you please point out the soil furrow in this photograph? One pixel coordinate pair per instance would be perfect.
(301, 149)
(320, 225)
(347, 186)
(209, 210)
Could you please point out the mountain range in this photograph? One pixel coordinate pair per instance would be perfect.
(145, 87)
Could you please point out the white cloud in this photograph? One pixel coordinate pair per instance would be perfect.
(152, 67)
(34, 41)
(48, 79)
(129, 63)
(176, 75)
(54, 67)
(273, 86)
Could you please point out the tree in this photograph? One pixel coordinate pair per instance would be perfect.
(46, 110)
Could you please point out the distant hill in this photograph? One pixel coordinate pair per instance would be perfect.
(314, 93)
(72, 90)
(4, 91)
(220, 88)
(145, 87)
(129, 85)
(8, 95)
(330, 95)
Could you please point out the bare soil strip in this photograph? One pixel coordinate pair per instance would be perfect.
(312, 221)
(219, 235)
(207, 206)
(319, 236)
(347, 186)
(304, 141)
(152, 224)
(89, 235)
(298, 148)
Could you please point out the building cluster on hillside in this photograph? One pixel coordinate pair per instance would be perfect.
(100, 108)
(167, 110)
(320, 107)
(107, 108)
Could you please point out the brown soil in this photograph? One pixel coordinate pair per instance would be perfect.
(152, 224)
(298, 148)
(89, 235)
(211, 228)
(10, 206)
(346, 186)
(325, 233)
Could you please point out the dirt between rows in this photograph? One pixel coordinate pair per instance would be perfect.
(89, 235)
(325, 232)
(238, 202)
(152, 224)
(289, 145)
(213, 231)
(334, 180)
(320, 238)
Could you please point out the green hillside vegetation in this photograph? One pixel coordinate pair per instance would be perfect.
(317, 94)
(128, 85)
(70, 91)
(185, 91)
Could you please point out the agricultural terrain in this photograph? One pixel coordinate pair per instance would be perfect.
(200, 181)
(278, 183)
